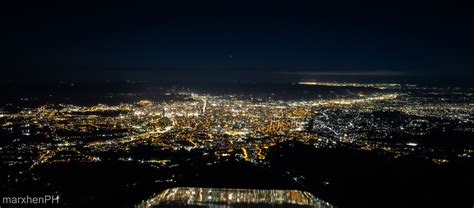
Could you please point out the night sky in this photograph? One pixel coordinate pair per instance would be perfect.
(74, 39)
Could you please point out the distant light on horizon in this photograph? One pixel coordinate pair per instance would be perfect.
(351, 84)
(412, 144)
(362, 73)
(308, 83)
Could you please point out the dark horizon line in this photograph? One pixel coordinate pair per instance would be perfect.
(312, 71)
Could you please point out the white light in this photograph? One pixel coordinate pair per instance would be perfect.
(412, 144)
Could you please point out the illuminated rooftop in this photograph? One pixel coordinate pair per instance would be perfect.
(224, 197)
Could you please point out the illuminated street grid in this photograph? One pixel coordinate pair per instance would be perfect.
(230, 126)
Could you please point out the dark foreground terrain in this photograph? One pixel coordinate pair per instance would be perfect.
(344, 177)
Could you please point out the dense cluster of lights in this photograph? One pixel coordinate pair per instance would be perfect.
(225, 126)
